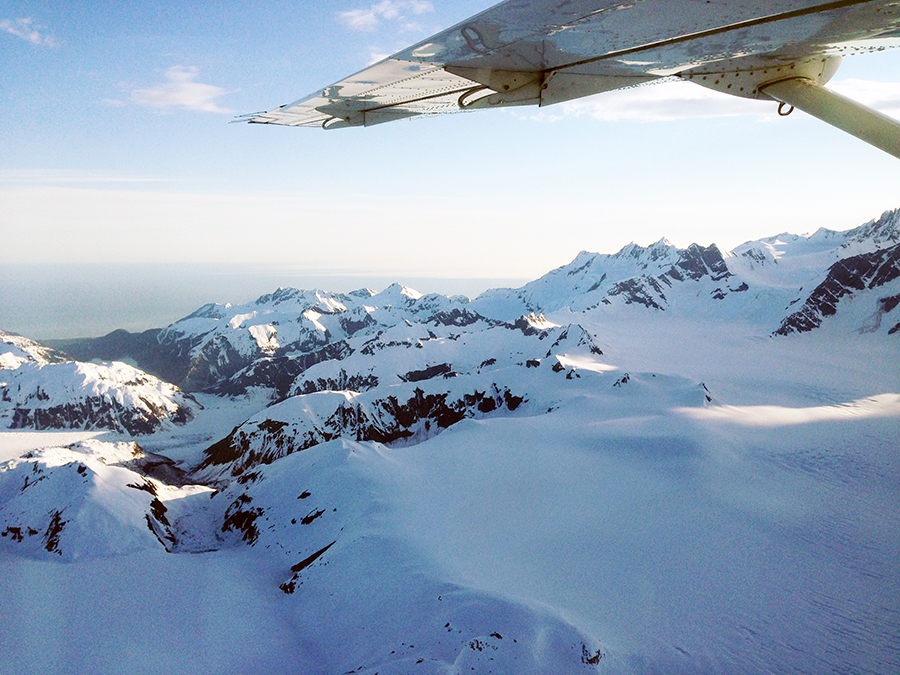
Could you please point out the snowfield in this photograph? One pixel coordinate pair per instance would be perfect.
(537, 481)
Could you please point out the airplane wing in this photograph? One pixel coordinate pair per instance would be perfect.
(541, 52)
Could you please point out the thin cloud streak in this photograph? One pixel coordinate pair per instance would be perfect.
(387, 10)
(664, 102)
(180, 91)
(26, 29)
(675, 100)
(882, 96)
(67, 177)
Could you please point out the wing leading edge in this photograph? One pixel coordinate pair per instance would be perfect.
(541, 52)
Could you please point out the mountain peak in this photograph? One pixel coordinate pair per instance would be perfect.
(397, 289)
(656, 251)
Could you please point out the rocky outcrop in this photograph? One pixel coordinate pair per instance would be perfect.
(302, 422)
(98, 412)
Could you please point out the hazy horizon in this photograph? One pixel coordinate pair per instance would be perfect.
(46, 302)
(49, 301)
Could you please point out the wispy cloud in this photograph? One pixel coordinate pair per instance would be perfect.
(66, 177)
(677, 100)
(666, 101)
(375, 56)
(386, 10)
(883, 96)
(27, 30)
(181, 91)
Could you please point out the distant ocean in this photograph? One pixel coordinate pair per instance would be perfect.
(89, 300)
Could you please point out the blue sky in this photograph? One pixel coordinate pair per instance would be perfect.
(115, 148)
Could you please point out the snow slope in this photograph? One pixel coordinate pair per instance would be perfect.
(91, 499)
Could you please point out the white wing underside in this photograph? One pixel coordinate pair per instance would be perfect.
(540, 52)
(389, 90)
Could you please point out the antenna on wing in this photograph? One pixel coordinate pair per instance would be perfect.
(246, 117)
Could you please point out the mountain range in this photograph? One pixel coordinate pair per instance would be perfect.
(782, 284)
(661, 460)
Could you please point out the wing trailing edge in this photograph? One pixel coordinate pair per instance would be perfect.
(543, 52)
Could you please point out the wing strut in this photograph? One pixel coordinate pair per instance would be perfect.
(856, 119)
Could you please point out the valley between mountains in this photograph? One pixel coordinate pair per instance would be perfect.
(661, 460)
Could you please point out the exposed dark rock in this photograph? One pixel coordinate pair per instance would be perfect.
(427, 373)
(696, 262)
(146, 486)
(303, 564)
(311, 516)
(458, 317)
(278, 372)
(54, 529)
(240, 519)
(584, 340)
(290, 586)
(94, 412)
(889, 303)
(524, 325)
(352, 325)
(158, 509)
(343, 382)
(637, 291)
(14, 533)
(588, 658)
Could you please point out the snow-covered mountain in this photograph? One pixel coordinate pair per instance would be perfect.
(222, 339)
(760, 280)
(274, 340)
(662, 460)
(40, 389)
(879, 269)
